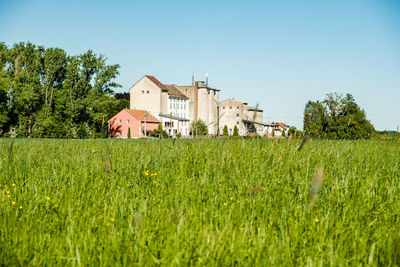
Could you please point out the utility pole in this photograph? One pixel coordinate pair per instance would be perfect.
(145, 134)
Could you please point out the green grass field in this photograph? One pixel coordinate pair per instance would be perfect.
(199, 202)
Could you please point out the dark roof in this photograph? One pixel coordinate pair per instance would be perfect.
(173, 117)
(157, 82)
(139, 115)
(173, 91)
(256, 122)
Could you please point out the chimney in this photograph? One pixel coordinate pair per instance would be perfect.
(192, 78)
(206, 79)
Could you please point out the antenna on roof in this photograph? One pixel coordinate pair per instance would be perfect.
(206, 79)
(192, 77)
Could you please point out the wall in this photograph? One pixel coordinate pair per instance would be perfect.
(145, 95)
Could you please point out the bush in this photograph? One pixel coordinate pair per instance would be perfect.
(159, 132)
(199, 128)
(235, 131)
(225, 131)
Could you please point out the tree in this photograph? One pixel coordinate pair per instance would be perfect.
(159, 132)
(198, 128)
(337, 117)
(129, 133)
(235, 131)
(225, 131)
(292, 131)
(46, 93)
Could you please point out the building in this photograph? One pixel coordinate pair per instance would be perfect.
(140, 123)
(203, 103)
(277, 129)
(176, 106)
(166, 102)
(236, 113)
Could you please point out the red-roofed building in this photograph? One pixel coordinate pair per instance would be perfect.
(140, 123)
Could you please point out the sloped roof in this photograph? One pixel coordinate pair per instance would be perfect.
(157, 82)
(139, 115)
(173, 91)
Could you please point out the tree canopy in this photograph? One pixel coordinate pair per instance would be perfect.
(198, 127)
(336, 117)
(46, 93)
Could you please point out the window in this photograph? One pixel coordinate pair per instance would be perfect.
(147, 91)
(170, 105)
(223, 107)
(120, 121)
(120, 133)
(237, 114)
(237, 107)
(230, 107)
(169, 124)
(127, 121)
(142, 91)
(237, 122)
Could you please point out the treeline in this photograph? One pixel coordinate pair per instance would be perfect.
(336, 117)
(46, 93)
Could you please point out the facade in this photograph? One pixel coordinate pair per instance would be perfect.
(277, 129)
(140, 123)
(247, 119)
(175, 125)
(203, 103)
(164, 102)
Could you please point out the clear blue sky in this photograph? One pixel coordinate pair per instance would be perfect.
(279, 54)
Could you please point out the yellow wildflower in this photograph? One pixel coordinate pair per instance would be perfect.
(146, 172)
(48, 198)
(225, 204)
(312, 150)
(20, 207)
(238, 201)
(13, 203)
(154, 198)
(13, 185)
(55, 205)
(112, 219)
(154, 174)
(8, 196)
(231, 198)
(8, 192)
(316, 220)
(107, 223)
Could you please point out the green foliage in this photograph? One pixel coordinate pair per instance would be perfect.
(225, 131)
(337, 117)
(159, 132)
(292, 131)
(129, 132)
(219, 202)
(198, 128)
(46, 93)
(235, 131)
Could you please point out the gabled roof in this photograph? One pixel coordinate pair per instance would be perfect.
(139, 115)
(282, 125)
(173, 91)
(156, 82)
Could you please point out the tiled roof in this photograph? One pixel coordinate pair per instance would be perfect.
(139, 114)
(173, 91)
(157, 82)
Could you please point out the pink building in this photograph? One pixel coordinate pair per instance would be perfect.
(135, 121)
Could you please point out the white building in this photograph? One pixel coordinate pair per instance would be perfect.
(236, 113)
(166, 102)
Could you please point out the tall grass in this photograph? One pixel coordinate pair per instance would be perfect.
(200, 202)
